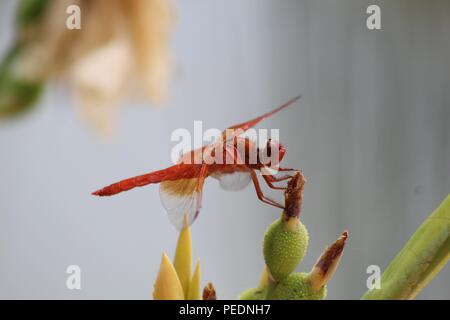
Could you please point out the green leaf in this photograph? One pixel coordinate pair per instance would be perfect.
(30, 11)
(17, 95)
(423, 256)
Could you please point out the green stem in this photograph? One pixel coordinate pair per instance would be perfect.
(271, 285)
(423, 256)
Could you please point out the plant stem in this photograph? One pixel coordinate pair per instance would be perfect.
(423, 256)
(272, 284)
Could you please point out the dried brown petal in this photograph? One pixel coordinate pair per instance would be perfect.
(209, 293)
(294, 195)
(327, 263)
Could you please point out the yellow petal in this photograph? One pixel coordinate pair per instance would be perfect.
(151, 25)
(183, 258)
(167, 285)
(194, 286)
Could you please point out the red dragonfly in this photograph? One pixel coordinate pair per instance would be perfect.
(181, 185)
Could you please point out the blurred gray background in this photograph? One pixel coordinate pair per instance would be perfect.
(371, 134)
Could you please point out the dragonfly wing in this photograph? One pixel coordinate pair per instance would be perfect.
(240, 128)
(234, 181)
(181, 198)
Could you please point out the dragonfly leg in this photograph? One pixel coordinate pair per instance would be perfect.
(286, 169)
(260, 193)
(270, 179)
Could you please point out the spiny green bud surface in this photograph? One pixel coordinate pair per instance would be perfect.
(253, 294)
(285, 244)
(297, 287)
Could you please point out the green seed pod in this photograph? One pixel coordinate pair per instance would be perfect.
(253, 294)
(260, 292)
(297, 287)
(285, 245)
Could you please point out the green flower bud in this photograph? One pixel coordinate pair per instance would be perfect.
(298, 287)
(253, 294)
(260, 292)
(285, 245)
(286, 240)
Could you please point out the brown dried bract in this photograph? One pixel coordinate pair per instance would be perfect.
(332, 253)
(327, 263)
(209, 293)
(294, 195)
